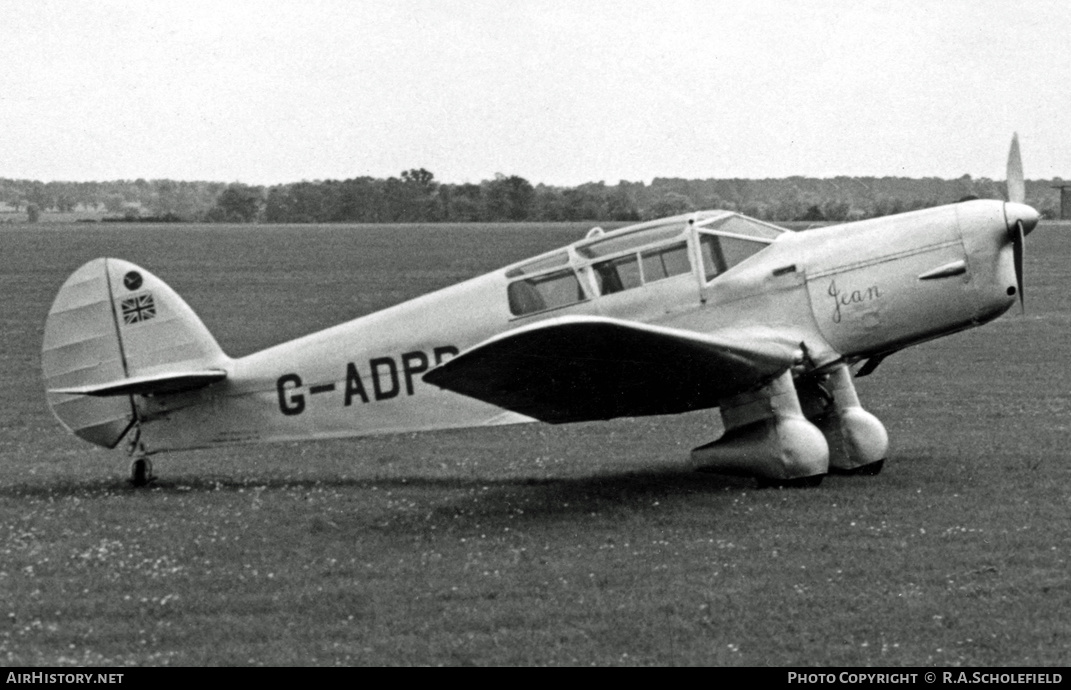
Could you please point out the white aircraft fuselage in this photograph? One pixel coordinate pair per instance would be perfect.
(846, 291)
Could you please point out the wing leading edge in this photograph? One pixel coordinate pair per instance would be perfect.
(575, 369)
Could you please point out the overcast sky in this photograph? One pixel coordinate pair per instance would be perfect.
(273, 91)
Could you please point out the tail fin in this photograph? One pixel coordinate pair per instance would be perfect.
(114, 331)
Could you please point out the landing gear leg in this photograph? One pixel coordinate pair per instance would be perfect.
(767, 437)
(858, 442)
(141, 466)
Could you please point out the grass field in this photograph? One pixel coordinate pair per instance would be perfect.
(533, 544)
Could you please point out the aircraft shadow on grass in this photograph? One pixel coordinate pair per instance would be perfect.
(439, 500)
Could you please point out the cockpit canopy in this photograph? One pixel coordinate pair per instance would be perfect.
(634, 256)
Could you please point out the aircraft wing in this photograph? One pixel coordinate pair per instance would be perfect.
(577, 368)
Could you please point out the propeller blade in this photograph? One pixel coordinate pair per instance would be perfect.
(1018, 248)
(1016, 183)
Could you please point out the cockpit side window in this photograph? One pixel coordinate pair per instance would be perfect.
(634, 270)
(713, 260)
(618, 274)
(720, 253)
(736, 250)
(665, 262)
(547, 291)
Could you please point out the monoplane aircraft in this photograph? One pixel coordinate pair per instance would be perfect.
(704, 310)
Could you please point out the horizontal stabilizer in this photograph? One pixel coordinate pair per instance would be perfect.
(574, 369)
(169, 382)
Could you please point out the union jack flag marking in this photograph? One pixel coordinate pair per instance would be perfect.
(138, 308)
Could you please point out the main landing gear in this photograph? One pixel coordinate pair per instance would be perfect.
(141, 466)
(857, 440)
(791, 434)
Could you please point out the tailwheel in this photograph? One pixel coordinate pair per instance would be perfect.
(869, 470)
(141, 466)
(141, 472)
(798, 483)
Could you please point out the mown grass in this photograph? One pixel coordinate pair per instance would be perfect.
(578, 544)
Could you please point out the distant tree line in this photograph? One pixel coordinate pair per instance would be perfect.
(417, 197)
(183, 200)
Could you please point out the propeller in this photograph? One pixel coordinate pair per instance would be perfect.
(1015, 211)
(1016, 183)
